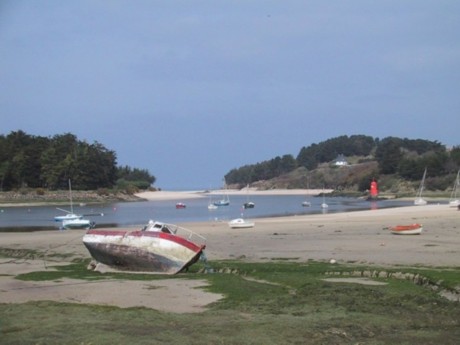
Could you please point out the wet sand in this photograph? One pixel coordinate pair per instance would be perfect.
(359, 237)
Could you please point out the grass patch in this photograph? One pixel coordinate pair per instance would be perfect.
(278, 302)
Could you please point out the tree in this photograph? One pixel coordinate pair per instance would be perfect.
(34, 161)
(139, 178)
(455, 156)
(308, 157)
(388, 155)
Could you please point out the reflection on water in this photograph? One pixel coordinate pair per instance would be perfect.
(138, 213)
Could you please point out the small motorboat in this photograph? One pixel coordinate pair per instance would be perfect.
(157, 248)
(240, 223)
(212, 207)
(180, 205)
(306, 203)
(412, 229)
(249, 204)
(223, 202)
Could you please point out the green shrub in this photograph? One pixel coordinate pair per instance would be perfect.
(40, 191)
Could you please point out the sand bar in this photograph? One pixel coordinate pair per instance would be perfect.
(353, 237)
(183, 195)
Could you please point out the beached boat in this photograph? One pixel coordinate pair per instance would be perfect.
(240, 223)
(412, 229)
(419, 201)
(180, 205)
(158, 247)
(454, 197)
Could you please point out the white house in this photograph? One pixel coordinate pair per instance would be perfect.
(340, 160)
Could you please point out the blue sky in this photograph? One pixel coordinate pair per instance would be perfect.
(192, 89)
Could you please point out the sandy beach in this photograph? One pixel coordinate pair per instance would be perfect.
(353, 237)
(184, 195)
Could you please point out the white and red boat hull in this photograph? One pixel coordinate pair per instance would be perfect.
(412, 229)
(137, 250)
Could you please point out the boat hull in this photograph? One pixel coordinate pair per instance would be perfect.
(413, 229)
(420, 202)
(142, 251)
(70, 216)
(77, 224)
(454, 203)
(248, 205)
(222, 203)
(240, 223)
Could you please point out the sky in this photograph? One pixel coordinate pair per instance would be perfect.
(192, 89)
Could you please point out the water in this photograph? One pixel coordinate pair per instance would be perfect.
(130, 214)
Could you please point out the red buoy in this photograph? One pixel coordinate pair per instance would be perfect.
(374, 191)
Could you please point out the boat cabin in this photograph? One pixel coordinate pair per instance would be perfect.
(157, 226)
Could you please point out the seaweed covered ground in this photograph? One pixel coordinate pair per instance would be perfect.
(278, 302)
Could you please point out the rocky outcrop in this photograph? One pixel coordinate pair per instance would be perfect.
(418, 279)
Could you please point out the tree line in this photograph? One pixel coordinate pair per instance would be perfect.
(401, 156)
(50, 162)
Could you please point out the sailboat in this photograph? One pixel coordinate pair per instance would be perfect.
(454, 198)
(419, 201)
(324, 205)
(72, 220)
(211, 205)
(248, 204)
(306, 202)
(225, 201)
(70, 214)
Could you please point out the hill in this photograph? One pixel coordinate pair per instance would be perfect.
(349, 164)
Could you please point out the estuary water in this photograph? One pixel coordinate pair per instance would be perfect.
(132, 214)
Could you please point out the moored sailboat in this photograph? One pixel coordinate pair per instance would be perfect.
(248, 204)
(225, 201)
(454, 197)
(72, 220)
(70, 215)
(324, 205)
(419, 201)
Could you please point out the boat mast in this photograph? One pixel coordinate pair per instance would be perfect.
(70, 197)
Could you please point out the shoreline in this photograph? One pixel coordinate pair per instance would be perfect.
(167, 195)
(297, 237)
(358, 237)
(183, 195)
(187, 195)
